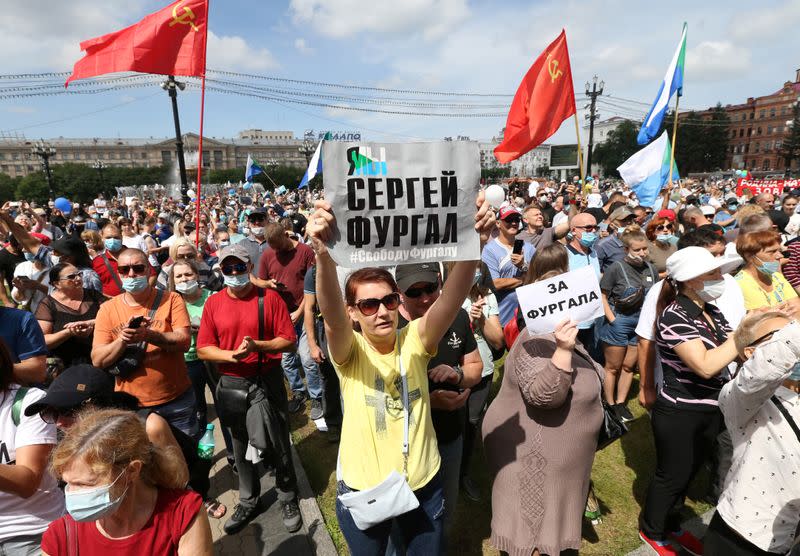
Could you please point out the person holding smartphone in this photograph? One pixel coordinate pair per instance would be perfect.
(506, 267)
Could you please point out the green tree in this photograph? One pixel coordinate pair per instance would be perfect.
(790, 150)
(702, 145)
(8, 187)
(619, 147)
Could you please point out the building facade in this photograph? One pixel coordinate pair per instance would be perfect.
(218, 154)
(758, 128)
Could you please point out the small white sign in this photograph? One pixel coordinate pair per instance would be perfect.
(574, 295)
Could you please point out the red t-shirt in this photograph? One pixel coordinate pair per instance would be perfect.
(175, 509)
(227, 319)
(109, 280)
(289, 268)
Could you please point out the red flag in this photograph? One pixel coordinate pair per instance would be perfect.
(169, 42)
(545, 98)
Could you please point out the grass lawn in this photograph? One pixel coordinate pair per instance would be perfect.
(620, 474)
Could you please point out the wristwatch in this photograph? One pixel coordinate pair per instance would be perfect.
(460, 373)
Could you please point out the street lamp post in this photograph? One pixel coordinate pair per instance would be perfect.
(45, 151)
(100, 166)
(592, 93)
(172, 86)
(308, 147)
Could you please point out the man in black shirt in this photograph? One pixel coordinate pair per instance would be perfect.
(452, 371)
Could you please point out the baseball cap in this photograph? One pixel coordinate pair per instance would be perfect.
(669, 214)
(508, 210)
(237, 251)
(74, 386)
(691, 262)
(257, 210)
(621, 213)
(163, 215)
(406, 275)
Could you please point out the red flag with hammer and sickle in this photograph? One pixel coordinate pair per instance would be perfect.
(545, 98)
(171, 41)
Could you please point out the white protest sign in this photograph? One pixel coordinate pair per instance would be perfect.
(574, 295)
(399, 203)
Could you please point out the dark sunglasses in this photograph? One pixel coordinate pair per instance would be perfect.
(513, 221)
(664, 227)
(763, 338)
(72, 276)
(416, 292)
(587, 228)
(235, 267)
(257, 218)
(370, 306)
(184, 257)
(137, 268)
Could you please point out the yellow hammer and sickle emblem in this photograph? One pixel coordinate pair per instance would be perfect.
(186, 18)
(555, 73)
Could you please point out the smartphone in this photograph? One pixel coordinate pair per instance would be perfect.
(136, 322)
(518, 243)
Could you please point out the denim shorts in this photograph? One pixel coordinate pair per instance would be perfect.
(621, 332)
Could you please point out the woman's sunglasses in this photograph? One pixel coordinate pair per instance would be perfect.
(370, 306)
(664, 227)
(416, 292)
(73, 276)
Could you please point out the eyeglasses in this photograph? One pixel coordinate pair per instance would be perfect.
(137, 268)
(370, 306)
(664, 227)
(416, 292)
(764, 338)
(513, 221)
(184, 257)
(237, 268)
(73, 276)
(587, 228)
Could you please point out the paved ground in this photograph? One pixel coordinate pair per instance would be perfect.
(697, 526)
(266, 533)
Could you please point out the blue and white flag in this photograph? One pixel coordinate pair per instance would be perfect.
(252, 169)
(314, 167)
(673, 82)
(647, 171)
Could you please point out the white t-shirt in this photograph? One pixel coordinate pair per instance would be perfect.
(26, 516)
(30, 299)
(730, 303)
(489, 308)
(559, 217)
(135, 242)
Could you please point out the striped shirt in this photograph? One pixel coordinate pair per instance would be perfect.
(683, 321)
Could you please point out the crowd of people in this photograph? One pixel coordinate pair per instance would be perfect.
(121, 316)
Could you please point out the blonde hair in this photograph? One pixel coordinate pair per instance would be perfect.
(108, 440)
(743, 211)
(632, 233)
(93, 237)
(177, 244)
(745, 333)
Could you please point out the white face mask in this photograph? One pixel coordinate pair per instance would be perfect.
(711, 290)
(257, 230)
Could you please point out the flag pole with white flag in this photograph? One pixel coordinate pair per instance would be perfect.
(647, 171)
(314, 167)
(673, 83)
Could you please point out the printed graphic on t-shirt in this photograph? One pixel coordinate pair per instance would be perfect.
(384, 404)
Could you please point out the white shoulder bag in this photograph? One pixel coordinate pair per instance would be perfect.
(393, 496)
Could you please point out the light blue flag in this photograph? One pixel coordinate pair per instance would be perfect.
(647, 171)
(673, 83)
(253, 169)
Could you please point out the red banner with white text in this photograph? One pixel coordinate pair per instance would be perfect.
(776, 187)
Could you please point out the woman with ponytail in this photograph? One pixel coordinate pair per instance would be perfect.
(123, 493)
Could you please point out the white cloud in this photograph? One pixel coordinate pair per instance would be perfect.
(302, 47)
(347, 18)
(716, 61)
(751, 26)
(233, 52)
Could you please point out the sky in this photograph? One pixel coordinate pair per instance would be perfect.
(476, 46)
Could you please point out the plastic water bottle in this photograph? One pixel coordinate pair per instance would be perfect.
(205, 448)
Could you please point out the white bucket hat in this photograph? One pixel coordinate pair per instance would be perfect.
(691, 262)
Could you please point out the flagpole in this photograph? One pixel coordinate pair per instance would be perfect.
(580, 151)
(200, 142)
(674, 139)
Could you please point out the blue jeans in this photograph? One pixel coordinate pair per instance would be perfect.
(293, 361)
(181, 413)
(421, 529)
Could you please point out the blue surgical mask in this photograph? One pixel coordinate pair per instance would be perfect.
(29, 256)
(135, 284)
(666, 238)
(769, 267)
(236, 281)
(113, 244)
(795, 372)
(621, 230)
(588, 239)
(94, 503)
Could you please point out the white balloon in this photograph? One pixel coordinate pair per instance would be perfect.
(495, 195)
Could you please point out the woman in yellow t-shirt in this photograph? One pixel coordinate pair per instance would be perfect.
(371, 444)
(761, 280)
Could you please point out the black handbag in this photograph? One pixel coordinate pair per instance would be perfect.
(612, 428)
(133, 356)
(632, 298)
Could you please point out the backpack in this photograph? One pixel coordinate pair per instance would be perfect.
(16, 407)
